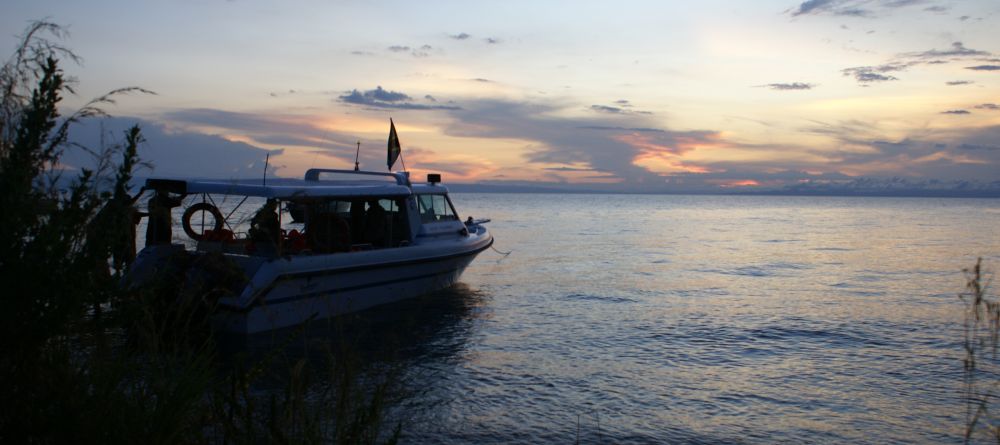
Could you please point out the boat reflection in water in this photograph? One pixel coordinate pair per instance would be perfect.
(400, 353)
(435, 324)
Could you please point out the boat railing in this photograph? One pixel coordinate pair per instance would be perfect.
(402, 178)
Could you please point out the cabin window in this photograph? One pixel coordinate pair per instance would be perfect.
(435, 208)
(357, 224)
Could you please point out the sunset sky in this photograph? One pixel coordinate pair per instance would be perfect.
(634, 96)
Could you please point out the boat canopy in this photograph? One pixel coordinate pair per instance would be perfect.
(287, 189)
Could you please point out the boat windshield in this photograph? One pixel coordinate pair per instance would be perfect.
(435, 208)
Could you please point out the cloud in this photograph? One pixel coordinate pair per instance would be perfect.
(813, 6)
(619, 151)
(279, 94)
(380, 94)
(871, 74)
(246, 123)
(623, 109)
(290, 131)
(185, 154)
(460, 36)
(790, 86)
(568, 169)
(631, 152)
(492, 40)
(609, 145)
(865, 149)
(850, 8)
(979, 147)
(422, 51)
(300, 134)
(834, 7)
(606, 109)
(959, 82)
(957, 50)
(381, 98)
(987, 107)
(983, 68)
(956, 112)
(631, 129)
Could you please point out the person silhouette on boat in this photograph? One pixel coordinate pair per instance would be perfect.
(265, 227)
(158, 228)
(326, 231)
(357, 222)
(375, 224)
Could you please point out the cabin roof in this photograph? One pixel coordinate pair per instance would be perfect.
(284, 188)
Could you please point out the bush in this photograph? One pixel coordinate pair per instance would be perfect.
(86, 360)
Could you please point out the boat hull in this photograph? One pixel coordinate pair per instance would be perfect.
(287, 293)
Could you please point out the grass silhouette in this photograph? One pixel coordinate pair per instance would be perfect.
(90, 361)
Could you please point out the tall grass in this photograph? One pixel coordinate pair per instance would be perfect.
(982, 332)
(86, 360)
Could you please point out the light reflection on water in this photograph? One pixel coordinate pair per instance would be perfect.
(702, 319)
(707, 319)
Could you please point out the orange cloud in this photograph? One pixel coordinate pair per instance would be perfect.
(661, 158)
(680, 143)
(736, 183)
(458, 167)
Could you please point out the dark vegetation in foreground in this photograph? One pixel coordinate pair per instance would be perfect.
(89, 361)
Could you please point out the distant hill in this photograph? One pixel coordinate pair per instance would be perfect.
(857, 187)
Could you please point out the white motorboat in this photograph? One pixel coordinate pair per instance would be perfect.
(365, 239)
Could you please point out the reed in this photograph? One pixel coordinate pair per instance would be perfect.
(87, 360)
(982, 332)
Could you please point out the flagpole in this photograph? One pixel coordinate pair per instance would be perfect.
(267, 160)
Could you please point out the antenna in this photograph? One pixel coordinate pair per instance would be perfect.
(266, 161)
(356, 156)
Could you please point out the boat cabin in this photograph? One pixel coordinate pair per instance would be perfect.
(329, 211)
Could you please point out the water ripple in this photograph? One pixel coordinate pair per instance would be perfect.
(703, 320)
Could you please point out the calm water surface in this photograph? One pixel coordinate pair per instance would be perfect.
(699, 319)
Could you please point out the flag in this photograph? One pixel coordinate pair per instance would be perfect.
(393, 145)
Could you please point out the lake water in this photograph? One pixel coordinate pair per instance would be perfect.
(698, 319)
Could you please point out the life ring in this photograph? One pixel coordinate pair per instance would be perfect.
(201, 207)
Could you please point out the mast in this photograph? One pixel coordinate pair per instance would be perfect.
(356, 153)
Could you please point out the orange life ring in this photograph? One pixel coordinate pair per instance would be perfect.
(201, 207)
